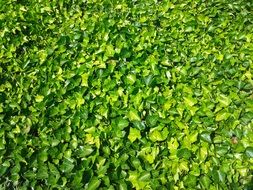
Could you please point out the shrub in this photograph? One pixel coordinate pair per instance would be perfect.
(106, 94)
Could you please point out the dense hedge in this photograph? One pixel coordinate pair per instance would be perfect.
(141, 94)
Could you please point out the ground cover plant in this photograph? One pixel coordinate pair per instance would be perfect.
(129, 94)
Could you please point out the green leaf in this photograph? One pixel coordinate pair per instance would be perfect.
(94, 184)
(184, 153)
(42, 172)
(110, 51)
(205, 182)
(151, 120)
(53, 169)
(85, 78)
(189, 101)
(249, 152)
(157, 135)
(122, 185)
(122, 123)
(224, 100)
(67, 166)
(144, 176)
(203, 152)
(134, 134)
(39, 98)
(206, 137)
(222, 115)
(85, 151)
(131, 78)
(77, 181)
(173, 145)
(219, 176)
(1, 108)
(247, 118)
(133, 115)
(43, 156)
(193, 137)
(190, 181)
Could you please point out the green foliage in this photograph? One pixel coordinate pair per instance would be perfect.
(147, 94)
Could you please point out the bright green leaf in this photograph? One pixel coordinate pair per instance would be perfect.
(134, 134)
(85, 78)
(222, 115)
(133, 115)
(39, 98)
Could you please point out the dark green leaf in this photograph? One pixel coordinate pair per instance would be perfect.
(184, 153)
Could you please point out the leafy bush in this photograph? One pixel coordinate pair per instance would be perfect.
(141, 94)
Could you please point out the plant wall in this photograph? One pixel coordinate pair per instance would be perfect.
(130, 94)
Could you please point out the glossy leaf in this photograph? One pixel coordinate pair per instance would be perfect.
(147, 94)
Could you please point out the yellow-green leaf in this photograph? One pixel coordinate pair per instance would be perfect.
(85, 78)
(39, 98)
(134, 134)
(133, 115)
